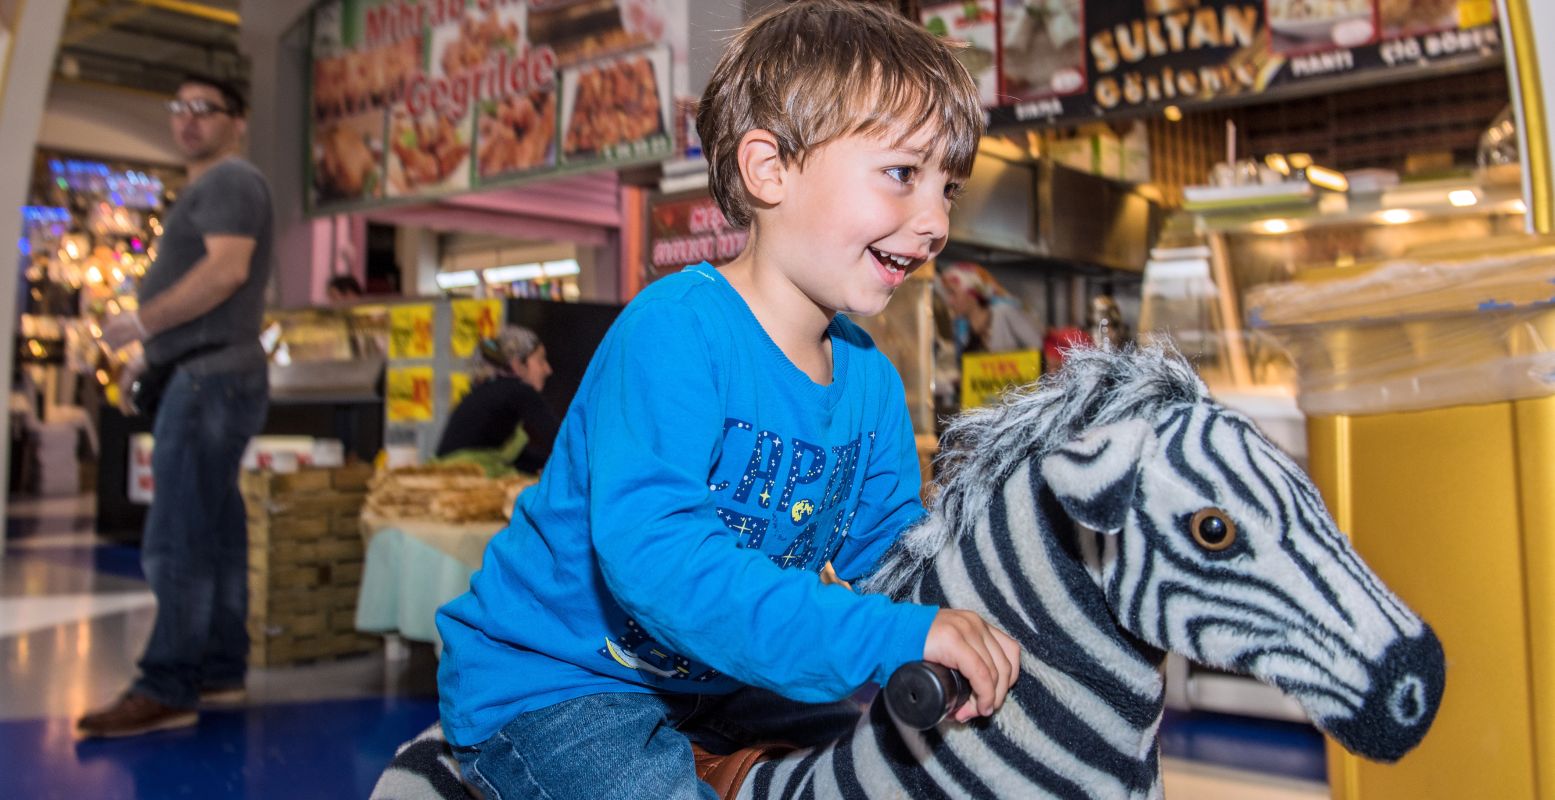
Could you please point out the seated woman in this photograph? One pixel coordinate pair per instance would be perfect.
(504, 424)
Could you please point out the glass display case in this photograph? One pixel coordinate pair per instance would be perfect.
(1208, 288)
(1199, 279)
(326, 353)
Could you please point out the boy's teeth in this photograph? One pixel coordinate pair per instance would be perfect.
(901, 262)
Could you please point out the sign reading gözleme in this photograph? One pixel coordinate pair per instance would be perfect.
(416, 99)
(1066, 61)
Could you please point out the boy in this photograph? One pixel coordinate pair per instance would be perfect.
(732, 435)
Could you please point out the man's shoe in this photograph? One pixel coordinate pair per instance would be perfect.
(223, 697)
(132, 715)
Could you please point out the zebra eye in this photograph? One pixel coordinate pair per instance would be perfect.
(1212, 529)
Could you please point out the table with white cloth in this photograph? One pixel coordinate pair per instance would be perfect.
(414, 566)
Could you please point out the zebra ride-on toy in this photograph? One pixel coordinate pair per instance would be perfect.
(1103, 516)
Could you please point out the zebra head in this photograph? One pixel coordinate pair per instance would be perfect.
(1208, 541)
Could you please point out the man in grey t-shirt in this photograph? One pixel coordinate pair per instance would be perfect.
(199, 315)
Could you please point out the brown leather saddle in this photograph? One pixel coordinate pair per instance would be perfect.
(726, 773)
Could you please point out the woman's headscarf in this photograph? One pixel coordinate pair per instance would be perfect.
(494, 357)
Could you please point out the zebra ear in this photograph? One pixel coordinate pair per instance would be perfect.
(1094, 476)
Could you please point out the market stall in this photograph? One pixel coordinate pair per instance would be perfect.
(426, 529)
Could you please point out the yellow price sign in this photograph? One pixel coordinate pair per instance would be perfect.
(458, 387)
(410, 331)
(474, 320)
(985, 376)
(409, 394)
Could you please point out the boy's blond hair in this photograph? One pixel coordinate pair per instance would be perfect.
(814, 70)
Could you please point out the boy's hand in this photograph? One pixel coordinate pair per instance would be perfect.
(985, 655)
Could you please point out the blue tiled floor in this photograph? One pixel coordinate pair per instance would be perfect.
(324, 731)
(327, 749)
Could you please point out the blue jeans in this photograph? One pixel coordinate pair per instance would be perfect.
(195, 546)
(638, 745)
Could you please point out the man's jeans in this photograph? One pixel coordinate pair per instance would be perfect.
(638, 745)
(195, 546)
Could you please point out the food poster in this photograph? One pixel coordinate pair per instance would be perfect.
(410, 331)
(413, 99)
(985, 376)
(1140, 56)
(974, 28)
(458, 387)
(409, 394)
(1397, 18)
(1043, 48)
(351, 83)
(431, 128)
(1299, 26)
(474, 320)
(618, 108)
(422, 383)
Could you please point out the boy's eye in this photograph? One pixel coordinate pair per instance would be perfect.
(902, 174)
(953, 191)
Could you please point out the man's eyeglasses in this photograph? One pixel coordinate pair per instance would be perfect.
(195, 108)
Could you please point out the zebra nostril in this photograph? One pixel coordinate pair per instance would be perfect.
(1407, 703)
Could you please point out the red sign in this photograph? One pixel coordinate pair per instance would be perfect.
(689, 231)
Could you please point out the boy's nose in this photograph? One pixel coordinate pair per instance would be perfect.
(932, 222)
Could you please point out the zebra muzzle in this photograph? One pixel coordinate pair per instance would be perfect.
(1402, 703)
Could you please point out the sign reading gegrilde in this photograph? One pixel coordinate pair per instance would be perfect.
(1068, 61)
(418, 98)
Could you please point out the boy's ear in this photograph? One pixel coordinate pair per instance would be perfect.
(761, 167)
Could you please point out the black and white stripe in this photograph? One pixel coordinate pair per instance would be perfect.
(1063, 518)
(1064, 521)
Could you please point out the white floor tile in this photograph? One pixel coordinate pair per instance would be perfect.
(1188, 780)
(26, 614)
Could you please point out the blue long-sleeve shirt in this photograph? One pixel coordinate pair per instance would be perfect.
(699, 481)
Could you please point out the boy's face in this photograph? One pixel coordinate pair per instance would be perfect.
(861, 215)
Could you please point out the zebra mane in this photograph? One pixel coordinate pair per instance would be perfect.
(984, 446)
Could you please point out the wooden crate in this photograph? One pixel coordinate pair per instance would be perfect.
(305, 554)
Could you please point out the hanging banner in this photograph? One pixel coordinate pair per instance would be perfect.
(408, 394)
(412, 99)
(474, 320)
(1072, 61)
(410, 331)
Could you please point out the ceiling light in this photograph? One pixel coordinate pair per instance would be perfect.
(1332, 180)
(1463, 198)
(556, 269)
(1397, 216)
(1275, 226)
(457, 280)
(513, 273)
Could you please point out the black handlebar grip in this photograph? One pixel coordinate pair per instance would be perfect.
(921, 694)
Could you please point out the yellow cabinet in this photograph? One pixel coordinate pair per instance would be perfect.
(1455, 509)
